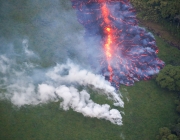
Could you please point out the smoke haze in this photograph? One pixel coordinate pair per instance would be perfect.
(128, 53)
(57, 83)
(43, 59)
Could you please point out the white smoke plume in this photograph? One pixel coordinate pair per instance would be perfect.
(79, 102)
(58, 84)
(83, 77)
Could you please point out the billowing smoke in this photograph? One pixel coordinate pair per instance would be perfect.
(58, 83)
(71, 73)
(128, 53)
(45, 57)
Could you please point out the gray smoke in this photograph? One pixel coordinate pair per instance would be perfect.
(42, 60)
(59, 84)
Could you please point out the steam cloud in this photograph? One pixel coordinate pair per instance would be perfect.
(43, 55)
(55, 84)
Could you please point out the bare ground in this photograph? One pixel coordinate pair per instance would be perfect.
(160, 31)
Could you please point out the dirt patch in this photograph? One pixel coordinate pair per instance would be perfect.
(159, 30)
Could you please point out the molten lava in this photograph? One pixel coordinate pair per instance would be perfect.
(108, 39)
(127, 52)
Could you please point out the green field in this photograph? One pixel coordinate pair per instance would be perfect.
(147, 108)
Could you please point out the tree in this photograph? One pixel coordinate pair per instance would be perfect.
(169, 77)
(176, 129)
(165, 134)
(178, 108)
(165, 12)
(164, 131)
(172, 137)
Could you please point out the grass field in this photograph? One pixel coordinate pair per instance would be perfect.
(147, 108)
(169, 54)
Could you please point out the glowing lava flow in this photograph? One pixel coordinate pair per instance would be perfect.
(109, 53)
(108, 40)
(127, 52)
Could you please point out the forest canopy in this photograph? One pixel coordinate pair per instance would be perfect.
(169, 77)
(155, 9)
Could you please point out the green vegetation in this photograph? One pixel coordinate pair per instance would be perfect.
(169, 77)
(165, 134)
(172, 132)
(155, 9)
(166, 12)
(147, 108)
(170, 55)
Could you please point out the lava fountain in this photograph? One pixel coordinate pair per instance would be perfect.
(129, 52)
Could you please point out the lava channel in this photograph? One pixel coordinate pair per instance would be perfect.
(127, 52)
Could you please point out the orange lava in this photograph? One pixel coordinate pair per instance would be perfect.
(108, 40)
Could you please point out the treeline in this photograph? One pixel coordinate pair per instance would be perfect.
(169, 78)
(172, 132)
(166, 12)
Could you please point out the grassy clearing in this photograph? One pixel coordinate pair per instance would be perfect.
(50, 122)
(147, 108)
(169, 54)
